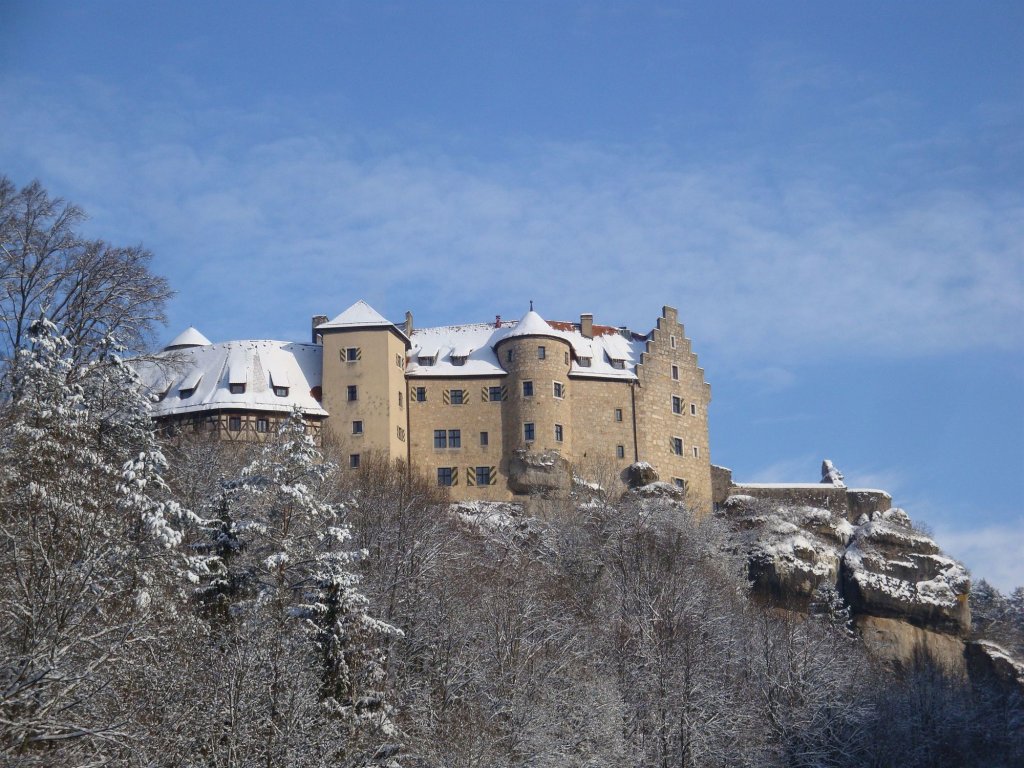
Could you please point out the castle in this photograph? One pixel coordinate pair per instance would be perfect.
(479, 406)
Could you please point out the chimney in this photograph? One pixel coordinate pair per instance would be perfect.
(407, 327)
(497, 321)
(587, 325)
(318, 320)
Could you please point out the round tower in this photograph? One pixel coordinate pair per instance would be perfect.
(537, 416)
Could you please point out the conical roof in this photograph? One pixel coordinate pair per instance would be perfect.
(190, 337)
(533, 324)
(359, 315)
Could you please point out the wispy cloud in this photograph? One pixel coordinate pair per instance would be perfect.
(805, 267)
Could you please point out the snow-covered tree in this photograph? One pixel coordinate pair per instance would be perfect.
(277, 579)
(87, 536)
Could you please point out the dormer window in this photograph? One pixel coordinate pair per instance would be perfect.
(584, 362)
(619, 364)
(185, 394)
(281, 391)
(237, 389)
(458, 360)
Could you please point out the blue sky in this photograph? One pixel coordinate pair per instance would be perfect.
(831, 194)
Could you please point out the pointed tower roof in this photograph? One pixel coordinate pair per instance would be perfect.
(361, 315)
(190, 337)
(533, 324)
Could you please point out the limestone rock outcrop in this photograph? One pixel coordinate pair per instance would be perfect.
(544, 473)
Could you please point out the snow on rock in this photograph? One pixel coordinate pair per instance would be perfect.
(544, 473)
(641, 473)
(660, 489)
(830, 474)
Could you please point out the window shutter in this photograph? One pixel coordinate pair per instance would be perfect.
(484, 394)
(494, 477)
(446, 397)
(470, 476)
(455, 475)
(504, 392)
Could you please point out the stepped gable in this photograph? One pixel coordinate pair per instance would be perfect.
(190, 337)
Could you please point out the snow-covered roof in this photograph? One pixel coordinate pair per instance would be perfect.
(197, 379)
(476, 341)
(190, 337)
(359, 315)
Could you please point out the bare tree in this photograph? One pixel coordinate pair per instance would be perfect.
(88, 288)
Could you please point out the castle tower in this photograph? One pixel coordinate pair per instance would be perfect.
(364, 384)
(537, 415)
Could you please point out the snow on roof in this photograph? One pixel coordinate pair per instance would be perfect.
(359, 315)
(190, 337)
(210, 369)
(533, 324)
(617, 347)
(474, 342)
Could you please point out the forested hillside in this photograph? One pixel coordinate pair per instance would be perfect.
(199, 604)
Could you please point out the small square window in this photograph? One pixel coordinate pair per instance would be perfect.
(237, 389)
(235, 423)
(445, 476)
(357, 427)
(620, 451)
(527, 389)
(455, 396)
(680, 483)
(675, 372)
(281, 391)
(494, 394)
(509, 356)
(353, 393)
(440, 438)
(693, 409)
(352, 354)
(353, 460)
(583, 362)
(398, 360)
(421, 394)
(484, 438)
(558, 433)
(483, 475)
(541, 353)
(528, 431)
(696, 452)
(677, 446)
(262, 424)
(454, 438)
(618, 414)
(677, 404)
(401, 434)
(559, 389)
(620, 364)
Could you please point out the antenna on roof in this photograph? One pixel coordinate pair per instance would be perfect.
(531, 305)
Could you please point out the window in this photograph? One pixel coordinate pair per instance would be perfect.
(458, 360)
(677, 446)
(454, 438)
(677, 404)
(542, 353)
(357, 427)
(398, 360)
(567, 357)
(696, 452)
(400, 403)
(483, 439)
(558, 433)
(675, 372)
(483, 475)
(440, 438)
(353, 460)
(446, 476)
(401, 434)
(559, 389)
(494, 394)
(528, 431)
(421, 394)
(262, 424)
(618, 363)
(618, 414)
(185, 394)
(353, 393)
(509, 356)
(455, 396)
(281, 391)
(236, 389)
(672, 341)
(527, 389)
(351, 354)
(235, 423)
(680, 483)
(620, 451)
(693, 409)
(584, 362)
